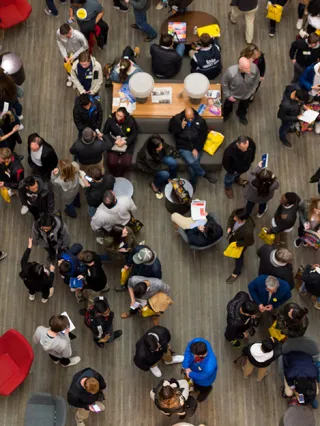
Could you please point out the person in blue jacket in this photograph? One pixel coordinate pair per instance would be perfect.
(69, 264)
(306, 79)
(200, 364)
(269, 292)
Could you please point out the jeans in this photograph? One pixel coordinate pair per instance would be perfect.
(250, 206)
(180, 48)
(17, 107)
(239, 263)
(301, 8)
(63, 361)
(195, 168)
(298, 70)
(52, 7)
(162, 177)
(104, 257)
(303, 288)
(141, 21)
(70, 208)
(229, 179)
(283, 130)
(92, 211)
(241, 111)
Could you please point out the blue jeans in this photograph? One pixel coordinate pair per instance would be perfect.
(229, 179)
(162, 177)
(104, 257)
(92, 211)
(301, 8)
(16, 106)
(70, 208)
(195, 168)
(180, 48)
(141, 21)
(250, 206)
(52, 7)
(283, 130)
(303, 288)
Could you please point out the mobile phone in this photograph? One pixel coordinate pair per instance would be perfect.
(89, 179)
(96, 408)
(301, 398)
(265, 160)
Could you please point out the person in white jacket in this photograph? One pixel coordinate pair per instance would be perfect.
(113, 211)
(55, 340)
(71, 43)
(86, 74)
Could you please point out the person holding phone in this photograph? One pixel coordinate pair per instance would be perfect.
(86, 74)
(86, 393)
(96, 184)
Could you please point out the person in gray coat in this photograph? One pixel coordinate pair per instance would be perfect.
(260, 189)
(239, 83)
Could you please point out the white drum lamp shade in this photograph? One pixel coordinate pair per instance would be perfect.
(196, 86)
(141, 85)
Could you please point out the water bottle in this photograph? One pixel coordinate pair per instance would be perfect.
(195, 30)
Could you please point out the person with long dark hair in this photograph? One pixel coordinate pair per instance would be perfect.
(120, 241)
(292, 320)
(124, 70)
(170, 396)
(309, 219)
(260, 189)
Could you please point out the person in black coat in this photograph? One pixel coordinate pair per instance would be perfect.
(86, 390)
(152, 347)
(276, 262)
(42, 158)
(121, 131)
(101, 182)
(206, 59)
(242, 318)
(95, 277)
(190, 131)
(36, 277)
(11, 170)
(289, 110)
(166, 59)
(204, 235)
(237, 159)
(311, 283)
(87, 112)
(292, 320)
(304, 52)
(36, 196)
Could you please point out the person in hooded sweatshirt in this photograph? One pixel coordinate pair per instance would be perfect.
(36, 277)
(36, 196)
(55, 341)
(260, 355)
(201, 366)
(276, 262)
(100, 183)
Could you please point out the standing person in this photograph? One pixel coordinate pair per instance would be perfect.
(269, 292)
(87, 112)
(36, 277)
(316, 179)
(42, 158)
(86, 393)
(113, 211)
(253, 53)
(9, 131)
(55, 340)
(71, 43)
(120, 241)
(94, 190)
(68, 263)
(86, 74)
(99, 318)
(52, 234)
(51, 8)
(121, 131)
(301, 8)
(240, 229)
(276, 262)
(260, 189)
(190, 131)
(11, 170)
(158, 158)
(206, 59)
(66, 175)
(242, 318)
(36, 196)
(140, 8)
(248, 8)
(303, 53)
(260, 355)
(201, 366)
(272, 22)
(237, 159)
(311, 283)
(144, 261)
(293, 100)
(166, 58)
(309, 218)
(152, 347)
(239, 83)
(292, 320)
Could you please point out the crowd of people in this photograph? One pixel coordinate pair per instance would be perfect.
(104, 151)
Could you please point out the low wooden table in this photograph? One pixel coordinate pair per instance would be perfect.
(192, 19)
(179, 104)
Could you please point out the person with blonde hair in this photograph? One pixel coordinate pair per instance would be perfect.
(66, 175)
(254, 54)
(309, 219)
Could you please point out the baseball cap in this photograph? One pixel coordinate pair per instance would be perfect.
(143, 256)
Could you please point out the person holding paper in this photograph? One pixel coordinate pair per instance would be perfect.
(310, 81)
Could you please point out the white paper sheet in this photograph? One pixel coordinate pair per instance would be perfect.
(72, 326)
(308, 116)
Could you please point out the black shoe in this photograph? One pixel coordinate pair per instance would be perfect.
(122, 8)
(236, 343)
(82, 312)
(231, 279)
(287, 144)
(226, 118)
(117, 334)
(20, 157)
(272, 32)
(242, 119)
(121, 288)
(73, 215)
(211, 178)
(148, 39)
(101, 345)
(135, 26)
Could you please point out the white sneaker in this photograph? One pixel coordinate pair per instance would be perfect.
(10, 192)
(156, 371)
(160, 5)
(99, 240)
(69, 83)
(259, 215)
(24, 210)
(176, 359)
(4, 255)
(299, 24)
(317, 128)
(44, 300)
(73, 361)
(20, 117)
(21, 127)
(32, 296)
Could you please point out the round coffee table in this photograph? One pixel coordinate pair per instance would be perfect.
(171, 204)
(123, 187)
(192, 19)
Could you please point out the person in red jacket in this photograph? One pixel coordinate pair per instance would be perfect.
(11, 170)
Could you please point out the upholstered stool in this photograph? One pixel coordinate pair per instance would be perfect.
(196, 85)
(141, 85)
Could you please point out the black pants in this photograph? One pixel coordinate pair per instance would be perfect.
(34, 211)
(63, 361)
(45, 294)
(241, 111)
(128, 53)
(52, 252)
(239, 263)
(300, 229)
(204, 392)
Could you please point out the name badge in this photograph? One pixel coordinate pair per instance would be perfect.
(306, 52)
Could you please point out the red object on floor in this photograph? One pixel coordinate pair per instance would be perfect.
(13, 12)
(16, 356)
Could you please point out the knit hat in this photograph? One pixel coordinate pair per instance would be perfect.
(143, 256)
(87, 135)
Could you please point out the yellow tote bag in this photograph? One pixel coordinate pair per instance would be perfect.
(267, 238)
(124, 275)
(213, 30)
(214, 140)
(233, 250)
(275, 12)
(68, 67)
(146, 311)
(276, 333)
(5, 194)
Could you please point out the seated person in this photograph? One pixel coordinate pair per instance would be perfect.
(86, 74)
(87, 112)
(206, 59)
(144, 261)
(242, 318)
(121, 132)
(158, 158)
(190, 132)
(292, 320)
(68, 263)
(11, 170)
(166, 59)
(269, 292)
(126, 67)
